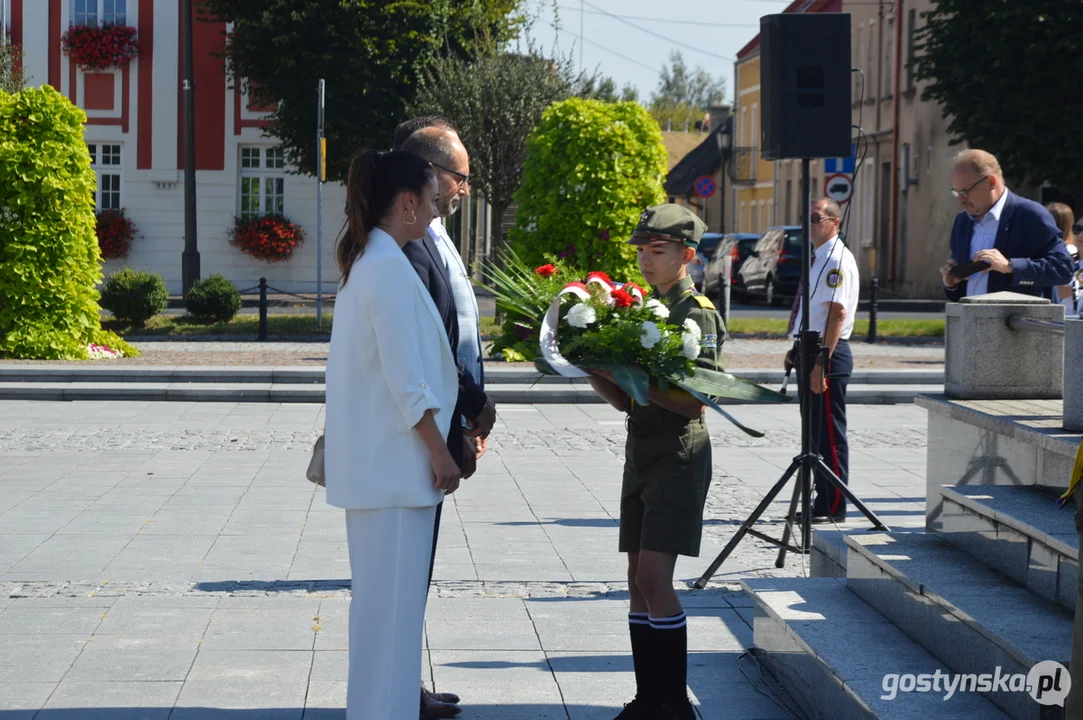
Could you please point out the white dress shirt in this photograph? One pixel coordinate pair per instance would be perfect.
(833, 278)
(389, 362)
(984, 237)
(466, 303)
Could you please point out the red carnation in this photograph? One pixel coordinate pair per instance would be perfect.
(546, 271)
(621, 298)
(600, 276)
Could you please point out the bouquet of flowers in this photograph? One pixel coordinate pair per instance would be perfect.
(603, 325)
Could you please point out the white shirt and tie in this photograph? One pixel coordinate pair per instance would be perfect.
(834, 279)
(984, 237)
(466, 305)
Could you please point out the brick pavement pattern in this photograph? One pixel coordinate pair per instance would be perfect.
(737, 354)
(168, 560)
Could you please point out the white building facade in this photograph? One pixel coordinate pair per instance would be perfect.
(134, 133)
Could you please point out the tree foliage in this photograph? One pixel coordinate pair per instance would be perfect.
(49, 258)
(369, 52)
(684, 94)
(592, 168)
(495, 100)
(11, 66)
(1012, 87)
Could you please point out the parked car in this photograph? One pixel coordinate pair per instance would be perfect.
(707, 245)
(737, 246)
(773, 269)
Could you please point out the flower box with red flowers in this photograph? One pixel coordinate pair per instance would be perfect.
(98, 47)
(115, 232)
(271, 238)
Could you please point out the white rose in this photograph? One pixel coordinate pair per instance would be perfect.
(660, 311)
(690, 347)
(650, 335)
(692, 328)
(581, 315)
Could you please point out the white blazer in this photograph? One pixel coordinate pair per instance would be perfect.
(388, 363)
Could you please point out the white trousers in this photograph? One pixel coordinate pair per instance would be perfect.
(389, 565)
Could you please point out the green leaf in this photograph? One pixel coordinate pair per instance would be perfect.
(723, 385)
(633, 380)
(714, 406)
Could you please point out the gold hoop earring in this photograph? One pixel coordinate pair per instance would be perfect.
(409, 222)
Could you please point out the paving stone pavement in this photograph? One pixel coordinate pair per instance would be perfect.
(168, 560)
(738, 353)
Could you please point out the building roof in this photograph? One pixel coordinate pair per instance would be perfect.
(797, 6)
(703, 160)
(679, 144)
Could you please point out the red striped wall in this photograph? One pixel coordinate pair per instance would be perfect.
(208, 40)
(56, 29)
(17, 22)
(145, 138)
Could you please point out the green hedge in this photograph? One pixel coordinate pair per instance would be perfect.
(592, 168)
(213, 299)
(134, 296)
(49, 256)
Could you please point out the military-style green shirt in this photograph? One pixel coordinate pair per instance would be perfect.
(685, 302)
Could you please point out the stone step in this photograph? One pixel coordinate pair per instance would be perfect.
(495, 374)
(1018, 531)
(973, 619)
(840, 659)
(312, 392)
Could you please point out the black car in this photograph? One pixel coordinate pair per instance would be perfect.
(773, 270)
(738, 246)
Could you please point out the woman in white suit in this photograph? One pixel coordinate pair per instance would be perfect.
(391, 392)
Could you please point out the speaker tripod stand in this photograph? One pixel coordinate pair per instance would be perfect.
(803, 465)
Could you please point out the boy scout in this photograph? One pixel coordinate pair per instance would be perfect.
(667, 472)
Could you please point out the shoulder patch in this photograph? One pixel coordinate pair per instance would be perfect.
(834, 278)
(710, 341)
(704, 302)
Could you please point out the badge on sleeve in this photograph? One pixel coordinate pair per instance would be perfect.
(710, 341)
(834, 278)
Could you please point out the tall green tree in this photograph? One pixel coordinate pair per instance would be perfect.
(370, 52)
(1007, 74)
(495, 100)
(684, 94)
(11, 66)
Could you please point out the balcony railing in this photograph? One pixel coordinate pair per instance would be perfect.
(744, 163)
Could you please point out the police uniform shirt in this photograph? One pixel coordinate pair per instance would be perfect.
(833, 278)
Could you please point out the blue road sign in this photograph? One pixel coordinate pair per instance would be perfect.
(841, 165)
(705, 186)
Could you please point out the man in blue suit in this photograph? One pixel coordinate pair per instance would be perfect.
(1017, 237)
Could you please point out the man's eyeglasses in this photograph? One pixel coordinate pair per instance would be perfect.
(463, 179)
(817, 218)
(966, 193)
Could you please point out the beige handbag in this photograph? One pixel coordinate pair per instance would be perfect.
(315, 471)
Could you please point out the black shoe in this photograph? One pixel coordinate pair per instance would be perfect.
(822, 518)
(636, 710)
(676, 711)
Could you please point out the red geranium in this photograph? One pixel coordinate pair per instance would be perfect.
(97, 47)
(546, 271)
(622, 299)
(115, 233)
(600, 276)
(271, 238)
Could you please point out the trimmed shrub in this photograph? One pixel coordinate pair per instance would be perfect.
(213, 298)
(593, 167)
(135, 296)
(49, 258)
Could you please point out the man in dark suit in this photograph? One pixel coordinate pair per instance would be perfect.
(431, 137)
(1017, 237)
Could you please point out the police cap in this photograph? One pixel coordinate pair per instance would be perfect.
(668, 223)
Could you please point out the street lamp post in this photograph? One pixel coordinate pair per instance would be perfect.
(190, 256)
(724, 140)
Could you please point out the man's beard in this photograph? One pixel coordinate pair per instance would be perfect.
(451, 207)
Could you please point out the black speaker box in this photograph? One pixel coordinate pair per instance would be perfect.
(805, 85)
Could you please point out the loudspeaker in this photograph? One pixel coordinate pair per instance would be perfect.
(805, 85)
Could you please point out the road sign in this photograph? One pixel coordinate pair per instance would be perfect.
(841, 165)
(839, 188)
(705, 186)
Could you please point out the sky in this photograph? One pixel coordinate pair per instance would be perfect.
(624, 38)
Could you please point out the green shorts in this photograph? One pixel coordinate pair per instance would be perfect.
(667, 471)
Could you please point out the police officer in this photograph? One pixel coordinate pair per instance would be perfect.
(666, 474)
(833, 294)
